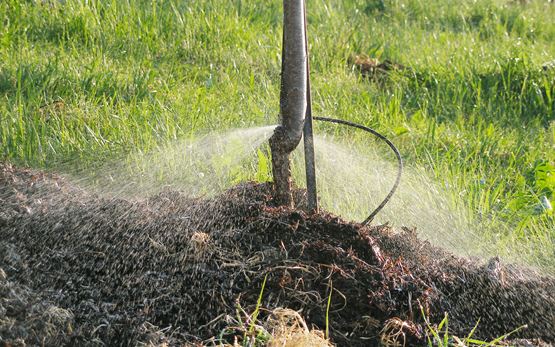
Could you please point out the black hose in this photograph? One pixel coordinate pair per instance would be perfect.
(399, 160)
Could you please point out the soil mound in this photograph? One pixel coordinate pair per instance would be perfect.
(79, 269)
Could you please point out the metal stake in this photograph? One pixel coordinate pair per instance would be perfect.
(308, 135)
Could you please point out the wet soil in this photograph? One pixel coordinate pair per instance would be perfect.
(77, 269)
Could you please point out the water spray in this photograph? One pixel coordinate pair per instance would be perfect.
(390, 144)
(296, 113)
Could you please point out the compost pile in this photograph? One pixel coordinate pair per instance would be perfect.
(171, 270)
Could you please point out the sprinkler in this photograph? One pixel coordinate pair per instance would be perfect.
(295, 116)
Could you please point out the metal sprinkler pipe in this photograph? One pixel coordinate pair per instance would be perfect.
(308, 135)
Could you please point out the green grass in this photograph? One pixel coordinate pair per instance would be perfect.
(434, 336)
(474, 109)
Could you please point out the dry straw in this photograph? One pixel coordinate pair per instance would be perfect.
(289, 329)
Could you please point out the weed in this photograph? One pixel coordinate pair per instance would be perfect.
(451, 340)
(254, 334)
(328, 311)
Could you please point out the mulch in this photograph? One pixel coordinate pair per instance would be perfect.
(81, 269)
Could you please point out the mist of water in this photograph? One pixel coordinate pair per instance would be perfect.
(352, 181)
(197, 165)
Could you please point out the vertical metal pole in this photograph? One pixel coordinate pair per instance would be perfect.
(308, 135)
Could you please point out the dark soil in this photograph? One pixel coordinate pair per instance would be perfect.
(77, 269)
(371, 68)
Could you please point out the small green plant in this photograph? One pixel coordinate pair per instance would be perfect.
(451, 340)
(328, 311)
(255, 314)
(542, 178)
(253, 334)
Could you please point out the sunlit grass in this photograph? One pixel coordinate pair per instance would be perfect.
(85, 83)
(435, 339)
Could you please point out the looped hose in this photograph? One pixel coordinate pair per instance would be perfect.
(399, 161)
